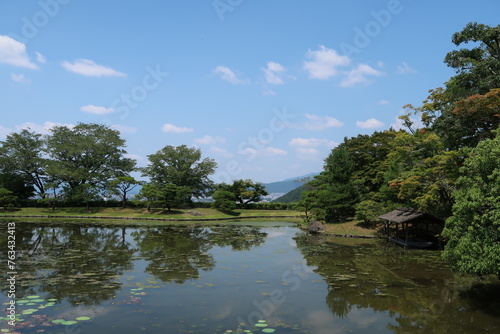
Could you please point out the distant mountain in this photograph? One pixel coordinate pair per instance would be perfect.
(288, 185)
(292, 196)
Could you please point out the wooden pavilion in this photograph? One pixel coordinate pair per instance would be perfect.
(418, 229)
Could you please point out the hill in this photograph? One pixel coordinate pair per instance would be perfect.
(291, 196)
(288, 185)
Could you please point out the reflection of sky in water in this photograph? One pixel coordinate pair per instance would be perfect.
(331, 290)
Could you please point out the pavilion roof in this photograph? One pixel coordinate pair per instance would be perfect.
(407, 215)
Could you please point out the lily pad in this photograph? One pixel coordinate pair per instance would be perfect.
(58, 321)
(82, 318)
(269, 330)
(260, 325)
(69, 322)
(33, 297)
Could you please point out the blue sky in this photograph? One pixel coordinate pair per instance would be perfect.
(266, 88)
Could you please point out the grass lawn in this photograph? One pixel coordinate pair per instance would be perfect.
(154, 213)
(353, 228)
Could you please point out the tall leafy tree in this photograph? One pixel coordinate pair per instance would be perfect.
(88, 154)
(22, 154)
(474, 228)
(334, 194)
(182, 166)
(478, 68)
(122, 186)
(478, 73)
(245, 191)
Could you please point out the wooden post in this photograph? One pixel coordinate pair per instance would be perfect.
(406, 232)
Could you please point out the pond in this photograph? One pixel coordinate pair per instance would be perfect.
(253, 278)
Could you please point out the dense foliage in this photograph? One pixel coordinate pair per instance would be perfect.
(449, 167)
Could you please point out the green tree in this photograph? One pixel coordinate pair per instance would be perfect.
(245, 191)
(334, 193)
(22, 154)
(478, 73)
(7, 198)
(474, 228)
(183, 167)
(172, 195)
(478, 68)
(18, 185)
(151, 193)
(122, 186)
(224, 200)
(88, 154)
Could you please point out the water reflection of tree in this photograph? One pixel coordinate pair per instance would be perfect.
(177, 254)
(414, 288)
(239, 238)
(73, 261)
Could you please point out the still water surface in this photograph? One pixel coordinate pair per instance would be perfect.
(258, 278)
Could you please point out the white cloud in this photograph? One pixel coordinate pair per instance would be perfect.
(19, 78)
(89, 68)
(170, 128)
(14, 53)
(209, 140)
(268, 92)
(404, 68)
(273, 73)
(383, 102)
(266, 152)
(225, 73)
(221, 151)
(4, 132)
(98, 110)
(371, 123)
(359, 75)
(123, 128)
(135, 157)
(317, 123)
(324, 63)
(312, 142)
(307, 153)
(40, 58)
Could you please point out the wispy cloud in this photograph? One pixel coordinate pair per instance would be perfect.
(318, 123)
(20, 78)
(383, 102)
(170, 128)
(371, 123)
(273, 73)
(209, 140)
(89, 68)
(269, 92)
(404, 68)
(14, 53)
(4, 132)
(324, 62)
(360, 75)
(98, 110)
(312, 142)
(124, 128)
(220, 151)
(226, 74)
(265, 152)
(40, 58)
(307, 153)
